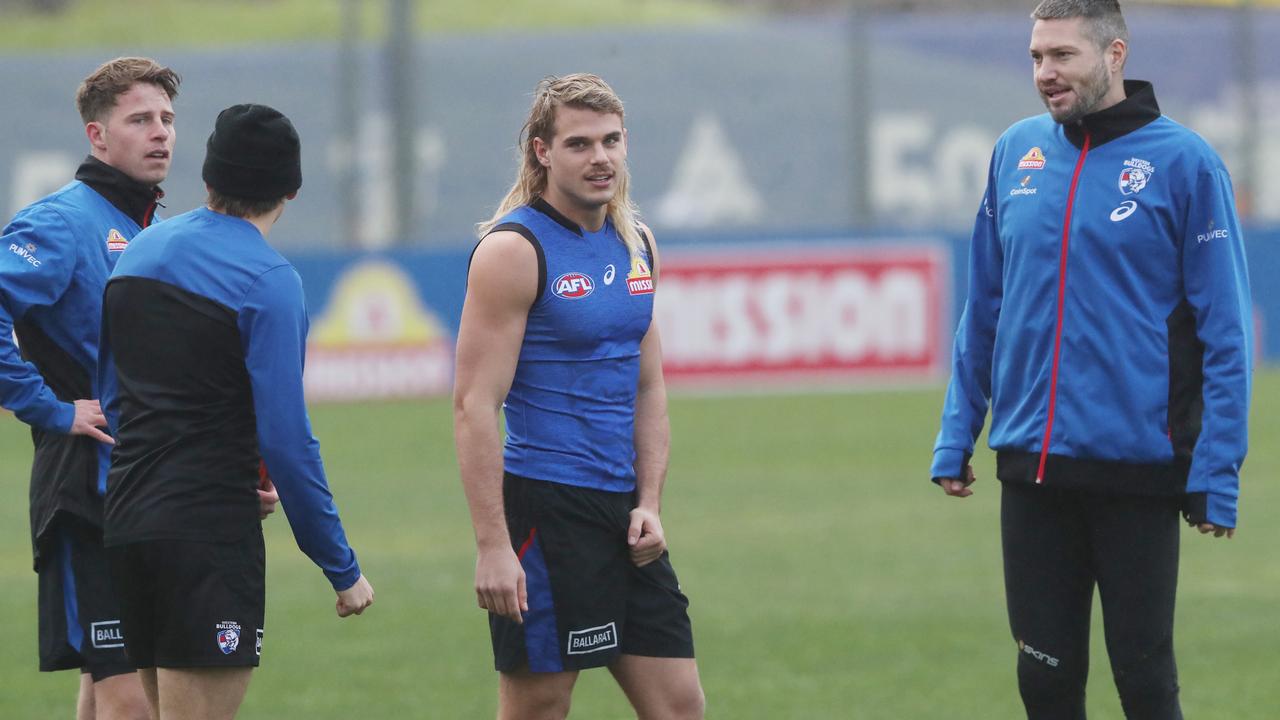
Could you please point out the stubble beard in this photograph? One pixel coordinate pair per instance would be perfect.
(1089, 96)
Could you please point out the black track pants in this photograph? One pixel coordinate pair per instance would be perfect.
(1057, 545)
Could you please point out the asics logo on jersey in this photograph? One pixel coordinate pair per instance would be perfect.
(573, 285)
(1125, 210)
(609, 272)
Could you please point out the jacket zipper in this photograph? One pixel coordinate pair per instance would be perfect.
(1062, 293)
(150, 214)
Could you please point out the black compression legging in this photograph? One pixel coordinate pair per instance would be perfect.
(1059, 544)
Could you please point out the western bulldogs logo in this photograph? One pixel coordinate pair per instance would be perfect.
(1132, 180)
(573, 285)
(1135, 175)
(228, 636)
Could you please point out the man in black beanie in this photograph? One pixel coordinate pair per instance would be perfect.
(203, 336)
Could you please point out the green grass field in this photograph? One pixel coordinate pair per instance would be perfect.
(828, 578)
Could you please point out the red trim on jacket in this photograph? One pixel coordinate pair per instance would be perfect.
(1062, 294)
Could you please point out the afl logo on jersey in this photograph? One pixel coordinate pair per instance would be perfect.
(572, 286)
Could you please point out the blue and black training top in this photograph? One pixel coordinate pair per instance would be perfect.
(203, 339)
(57, 254)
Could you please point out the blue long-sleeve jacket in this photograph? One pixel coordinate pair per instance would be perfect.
(1108, 313)
(55, 256)
(203, 343)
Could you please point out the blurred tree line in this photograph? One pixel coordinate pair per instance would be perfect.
(42, 6)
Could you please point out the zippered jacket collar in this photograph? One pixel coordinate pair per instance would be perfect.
(1138, 108)
(135, 199)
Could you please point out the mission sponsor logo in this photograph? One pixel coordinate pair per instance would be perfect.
(1033, 160)
(1135, 175)
(639, 279)
(106, 634)
(573, 286)
(593, 639)
(116, 241)
(227, 633)
(745, 316)
(26, 252)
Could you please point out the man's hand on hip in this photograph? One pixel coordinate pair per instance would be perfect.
(88, 420)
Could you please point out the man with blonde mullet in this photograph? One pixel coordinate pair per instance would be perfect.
(572, 560)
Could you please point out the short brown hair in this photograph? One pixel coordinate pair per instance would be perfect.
(97, 93)
(240, 207)
(1104, 23)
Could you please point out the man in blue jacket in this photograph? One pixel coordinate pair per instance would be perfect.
(57, 254)
(203, 336)
(1107, 326)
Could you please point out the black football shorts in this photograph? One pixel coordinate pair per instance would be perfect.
(188, 604)
(588, 602)
(79, 614)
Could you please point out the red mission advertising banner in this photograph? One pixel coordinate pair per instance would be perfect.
(739, 316)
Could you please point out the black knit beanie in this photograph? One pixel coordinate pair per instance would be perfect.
(254, 153)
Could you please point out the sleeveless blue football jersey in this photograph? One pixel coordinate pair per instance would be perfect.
(570, 413)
